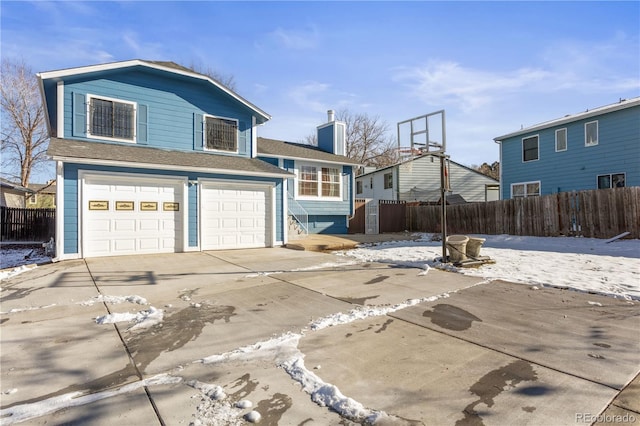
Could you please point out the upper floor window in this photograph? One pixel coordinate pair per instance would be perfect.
(112, 118)
(530, 148)
(591, 133)
(221, 134)
(613, 180)
(525, 189)
(561, 139)
(388, 180)
(315, 181)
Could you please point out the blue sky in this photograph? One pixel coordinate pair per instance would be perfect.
(492, 66)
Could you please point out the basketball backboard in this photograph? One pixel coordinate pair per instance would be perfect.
(425, 134)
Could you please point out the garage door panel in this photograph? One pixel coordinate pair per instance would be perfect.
(148, 229)
(124, 225)
(149, 225)
(124, 244)
(234, 217)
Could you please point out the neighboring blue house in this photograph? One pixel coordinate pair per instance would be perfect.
(153, 157)
(595, 149)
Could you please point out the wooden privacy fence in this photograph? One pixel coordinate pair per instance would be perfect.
(602, 213)
(27, 224)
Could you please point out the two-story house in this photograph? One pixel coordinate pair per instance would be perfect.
(153, 157)
(418, 179)
(594, 149)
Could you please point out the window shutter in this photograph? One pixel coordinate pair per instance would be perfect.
(197, 132)
(142, 124)
(79, 125)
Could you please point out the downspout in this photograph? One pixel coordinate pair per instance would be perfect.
(500, 162)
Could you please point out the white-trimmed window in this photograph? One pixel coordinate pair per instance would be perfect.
(530, 147)
(591, 133)
(32, 199)
(388, 180)
(561, 139)
(221, 134)
(612, 180)
(111, 119)
(319, 182)
(525, 189)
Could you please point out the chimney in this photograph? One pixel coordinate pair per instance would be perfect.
(331, 135)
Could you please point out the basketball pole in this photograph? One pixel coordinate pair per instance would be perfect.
(443, 207)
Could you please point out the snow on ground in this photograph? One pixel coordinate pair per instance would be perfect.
(142, 319)
(582, 264)
(14, 255)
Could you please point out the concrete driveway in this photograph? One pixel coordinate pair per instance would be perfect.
(434, 349)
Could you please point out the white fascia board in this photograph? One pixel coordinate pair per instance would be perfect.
(44, 104)
(573, 117)
(137, 62)
(136, 165)
(59, 110)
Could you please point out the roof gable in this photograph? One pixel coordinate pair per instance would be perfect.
(51, 77)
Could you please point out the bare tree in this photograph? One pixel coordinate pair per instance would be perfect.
(491, 170)
(24, 133)
(226, 80)
(368, 140)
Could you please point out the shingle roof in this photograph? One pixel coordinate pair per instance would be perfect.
(282, 149)
(15, 186)
(139, 156)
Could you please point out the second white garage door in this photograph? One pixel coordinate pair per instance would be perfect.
(235, 216)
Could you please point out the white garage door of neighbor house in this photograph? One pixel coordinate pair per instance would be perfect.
(235, 216)
(131, 217)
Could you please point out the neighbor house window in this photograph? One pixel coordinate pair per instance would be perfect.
(111, 118)
(613, 180)
(314, 181)
(591, 133)
(561, 140)
(32, 199)
(359, 187)
(221, 134)
(525, 189)
(388, 180)
(530, 148)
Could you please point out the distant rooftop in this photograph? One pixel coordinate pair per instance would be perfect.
(621, 104)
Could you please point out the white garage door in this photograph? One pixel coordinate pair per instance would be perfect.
(131, 216)
(235, 216)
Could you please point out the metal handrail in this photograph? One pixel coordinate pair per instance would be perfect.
(298, 213)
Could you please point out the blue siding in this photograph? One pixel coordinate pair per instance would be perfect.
(71, 232)
(193, 213)
(577, 168)
(328, 224)
(325, 138)
(71, 199)
(170, 102)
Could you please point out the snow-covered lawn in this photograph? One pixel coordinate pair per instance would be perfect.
(585, 264)
(582, 264)
(15, 259)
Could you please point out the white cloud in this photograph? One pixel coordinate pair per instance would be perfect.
(445, 82)
(576, 68)
(296, 39)
(308, 95)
